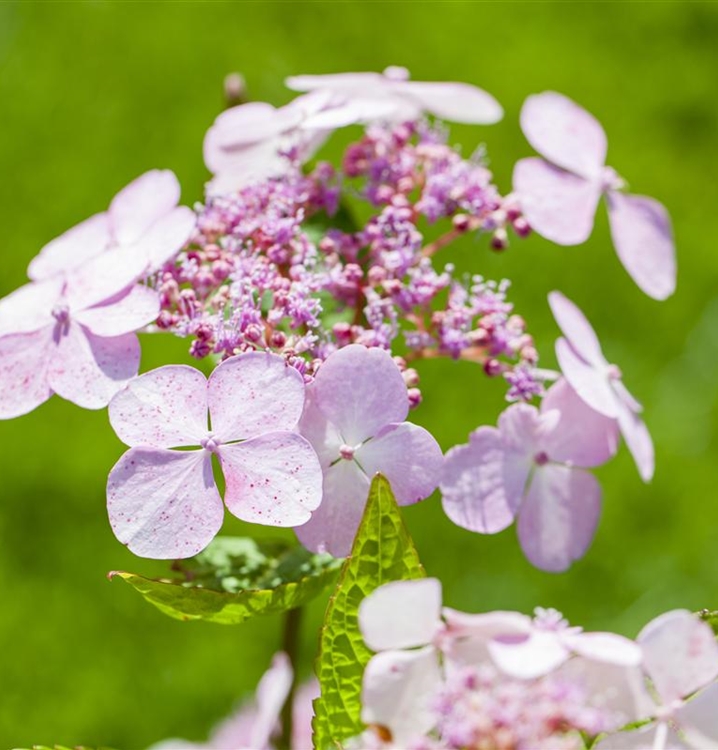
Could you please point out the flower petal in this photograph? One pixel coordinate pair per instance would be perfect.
(397, 692)
(29, 308)
(680, 654)
(164, 504)
(590, 382)
(274, 479)
(141, 203)
(606, 647)
(360, 391)
(166, 237)
(643, 238)
(458, 102)
(528, 657)
(272, 693)
(638, 440)
(575, 327)
(334, 524)
(71, 249)
(252, 394)
(558, 517)
(582, 436)
(408, 456)
(559, 205)
(564, 133)
(88, 370)
(23, 372)
(474, 487)
(321, 433)
(698, 719)
(127, 312)
(162, 408)
(401, 614)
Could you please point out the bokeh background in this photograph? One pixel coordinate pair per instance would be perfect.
(94, 93)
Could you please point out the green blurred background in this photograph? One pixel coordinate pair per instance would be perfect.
(95, 93)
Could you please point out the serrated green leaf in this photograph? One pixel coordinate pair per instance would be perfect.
(236, 579)
(711, 618)
(383, 551)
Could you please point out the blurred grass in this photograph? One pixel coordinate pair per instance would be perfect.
(95, 93)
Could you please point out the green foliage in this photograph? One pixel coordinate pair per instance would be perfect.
(383, 551)
(711, 618)
(236, 579)
(60, 747)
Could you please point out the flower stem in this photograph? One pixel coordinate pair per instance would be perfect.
(290, 646)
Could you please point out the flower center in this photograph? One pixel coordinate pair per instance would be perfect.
(613, 372)
(541, 458)
(210, 443)
(611, 180)
(61, 313)
(346, 451)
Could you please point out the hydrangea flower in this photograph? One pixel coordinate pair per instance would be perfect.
(599, 383)
(533, 468)
(391, 96)
(73, 334)
(559, 195)
(354, 418)
(144, 219)
(164, 503)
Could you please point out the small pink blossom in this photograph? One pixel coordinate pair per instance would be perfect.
(559, 196)
(533, 468)
(354, 418)
(599, 383)
(164, 503)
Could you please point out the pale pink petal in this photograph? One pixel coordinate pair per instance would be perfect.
(401, 614)
(139, 205)
(29, 308)
(249, 165)
(408, 456)
(558, 205)
(564, 133)
(23, 372)
(582, 436)
(127, 312)
(360, 391)
(274, 479)
(252, 394)
(458, 102)
(166, 237)
(272, 693)
(177, 744)
(102, 278)
(559, 516)
(575, 327)
(698, 719)
(336, 81)
(334, 524)
(88, 370)
(607, 647)
(638, 440)
(397, 693)
(303, 713)
(323, 435)
(351, 111)
(643, 238)
(71, 249)
(528, 657)
(162, 408)
(164, 504)
(626, 396)
(680, 654)
(590, 382)
(521, 427)
(475, 494)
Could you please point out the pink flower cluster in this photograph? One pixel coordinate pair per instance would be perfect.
(447, 680)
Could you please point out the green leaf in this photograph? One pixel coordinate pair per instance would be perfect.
(383, 551)
(60, 747)
(711, 618)
(235, 579)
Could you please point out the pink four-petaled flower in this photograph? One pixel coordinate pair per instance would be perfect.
(164, 503)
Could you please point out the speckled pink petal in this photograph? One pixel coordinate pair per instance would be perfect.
(401, 614)
(29, 308)
(698, 718)
(334, 524)
(360, 391)
(164, 504)
(475, 493)
(526, 657)
(127, 312)
(88, 370)
(590, 382)
(643, 237)
(564, 133)
(272, 693)
(559, 205)
(23, 372)
(458, 102)
(606, 647)
(139, 205)
(166, 237)
(638, 441)
(575, 327)
(397, 692)
(162, 408)
(71, 249)
(559, 516)
(252, 394)
(408, 456)
(582, 436)
(680, 654)
(274, 479)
